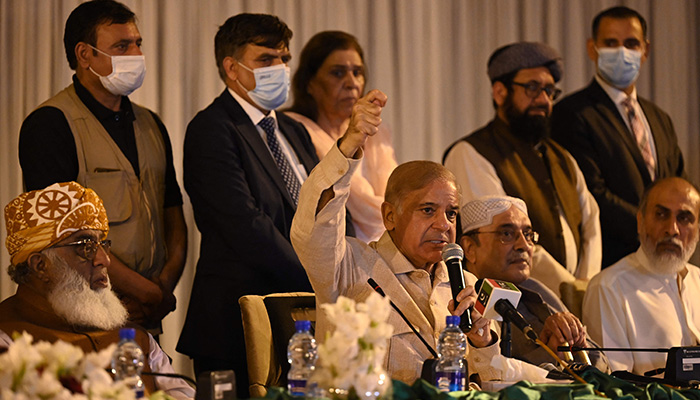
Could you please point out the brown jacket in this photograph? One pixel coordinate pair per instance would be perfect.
(28, 311)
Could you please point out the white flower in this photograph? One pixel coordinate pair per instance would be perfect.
(60, 357)
(21, 356)
(353, 354)
(47, 386)
(97, 361)
(378, 307)
(99, 389)
(34, 371)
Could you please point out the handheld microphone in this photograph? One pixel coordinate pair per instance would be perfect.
(452, 255)
(379, 290)
(497, 300)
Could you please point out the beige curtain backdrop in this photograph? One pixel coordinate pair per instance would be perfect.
(429, 56)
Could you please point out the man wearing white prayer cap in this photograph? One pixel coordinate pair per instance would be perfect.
(498, 241)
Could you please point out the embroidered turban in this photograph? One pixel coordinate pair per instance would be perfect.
(39, 219)
(480, 212)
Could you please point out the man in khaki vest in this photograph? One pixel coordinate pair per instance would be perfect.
(513, 155)
(92, 134)
(59, 254)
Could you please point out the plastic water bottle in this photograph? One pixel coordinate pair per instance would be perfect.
(127, 361)
(301, 354)
(451, 368)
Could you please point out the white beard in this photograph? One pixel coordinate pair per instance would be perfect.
(74, 300)
(665, 263)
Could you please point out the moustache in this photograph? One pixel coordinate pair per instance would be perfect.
(538, 108)
(672, 241)
(518, 257)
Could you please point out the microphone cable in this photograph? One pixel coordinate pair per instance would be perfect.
(566, 366)
(379, 290)
(171, 375)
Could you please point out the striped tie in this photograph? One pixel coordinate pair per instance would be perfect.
(290, 178)
(640, 135)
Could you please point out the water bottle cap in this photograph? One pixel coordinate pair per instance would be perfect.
(127, 333)
(453, 320)
(302, 325)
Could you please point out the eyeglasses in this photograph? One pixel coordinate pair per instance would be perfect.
(87, 248)
(510, 235)
(533, 90)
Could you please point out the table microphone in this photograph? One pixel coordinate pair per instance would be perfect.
(379, 290)
(682, 364)
(510, 314)
(428, 368)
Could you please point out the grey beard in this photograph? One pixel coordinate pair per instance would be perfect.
(74, 300)
(665, 263)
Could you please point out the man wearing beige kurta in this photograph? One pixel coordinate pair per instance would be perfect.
(419, 213)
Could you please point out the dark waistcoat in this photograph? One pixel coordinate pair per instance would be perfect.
(544, 177)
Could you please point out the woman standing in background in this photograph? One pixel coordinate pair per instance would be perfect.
(330, 78)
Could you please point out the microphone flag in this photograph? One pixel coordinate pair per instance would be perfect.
(490, 292)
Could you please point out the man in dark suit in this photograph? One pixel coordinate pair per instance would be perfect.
(621, 142)
(243, 167)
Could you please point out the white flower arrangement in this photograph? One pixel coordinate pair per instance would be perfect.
(353, 355)
(59, 371)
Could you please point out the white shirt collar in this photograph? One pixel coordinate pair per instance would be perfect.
(617, 95)
(254, 114)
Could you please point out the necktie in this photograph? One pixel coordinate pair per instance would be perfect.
(640, 135)
(290, 178)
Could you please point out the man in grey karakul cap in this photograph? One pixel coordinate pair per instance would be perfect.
(513, 155)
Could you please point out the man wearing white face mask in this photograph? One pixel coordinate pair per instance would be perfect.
(91, 133)
(621, 142)
(244, 164)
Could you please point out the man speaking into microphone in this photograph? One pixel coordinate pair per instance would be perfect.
(419, 213)
(498, 242)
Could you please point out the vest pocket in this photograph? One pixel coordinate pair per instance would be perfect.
(112, 187)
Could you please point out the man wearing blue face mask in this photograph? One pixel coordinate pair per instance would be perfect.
(91, 133)
(244, 164)
(622, 142)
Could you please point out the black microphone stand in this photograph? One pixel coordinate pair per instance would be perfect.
(506, 339)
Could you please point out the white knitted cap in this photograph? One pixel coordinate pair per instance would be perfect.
(480, 212)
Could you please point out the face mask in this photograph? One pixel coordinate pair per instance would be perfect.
(271, 86)
(127, 74)
(619, 65)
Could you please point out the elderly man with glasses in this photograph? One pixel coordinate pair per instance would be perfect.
(513, 155)
(59, 257)
(498, 242)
